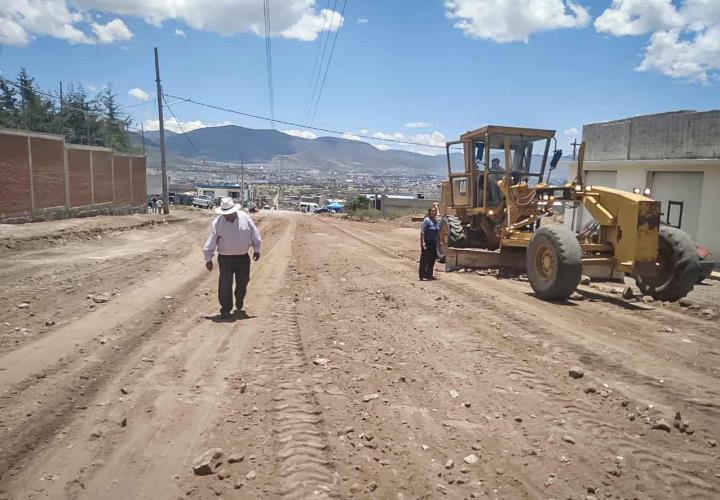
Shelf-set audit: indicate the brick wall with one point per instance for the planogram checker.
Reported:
(102, 176)
(139, 190)
(48, 172)
(80, 176)
(15, 176)
(42, 177)
(121, 169)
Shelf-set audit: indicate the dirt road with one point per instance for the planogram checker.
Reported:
(348, 378)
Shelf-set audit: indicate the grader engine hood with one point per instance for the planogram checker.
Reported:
(631, 223)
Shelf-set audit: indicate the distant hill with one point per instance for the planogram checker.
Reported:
(232, 143)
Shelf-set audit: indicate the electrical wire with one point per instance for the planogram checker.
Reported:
(319, 62)
(293, 124)
(197, 153)
(327, 67)
(68, 106)
(268, 60)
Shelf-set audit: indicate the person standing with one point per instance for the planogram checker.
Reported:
(159, 205)
(153, 205)
(429, 235)
(232, 234)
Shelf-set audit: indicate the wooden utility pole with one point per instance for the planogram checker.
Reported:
(163, 164)
(242, 182)
(574, 144)
(62, 117)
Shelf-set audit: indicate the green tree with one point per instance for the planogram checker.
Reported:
(36, 113)
(8, 105)
(359, 203)
(113, 125)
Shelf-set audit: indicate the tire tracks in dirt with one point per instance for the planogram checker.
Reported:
(168, 403)
(640, 454)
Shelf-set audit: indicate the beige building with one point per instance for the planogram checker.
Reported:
(676, 155)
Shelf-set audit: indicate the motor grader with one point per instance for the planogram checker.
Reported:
(500, 210)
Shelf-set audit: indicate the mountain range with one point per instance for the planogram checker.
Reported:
(231, 143)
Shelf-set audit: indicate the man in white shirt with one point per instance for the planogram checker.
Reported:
(232, 233)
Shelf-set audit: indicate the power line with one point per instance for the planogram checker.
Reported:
(268, 59)
(182, 130)
(292, 124)
(65, 104)
(332, 50)
(317, 67)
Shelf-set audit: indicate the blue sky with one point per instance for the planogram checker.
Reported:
(446, 66)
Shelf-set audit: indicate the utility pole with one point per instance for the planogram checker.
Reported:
(142, 132)
(62, 118)
(574, 144)
(163, 164)
(242, 181)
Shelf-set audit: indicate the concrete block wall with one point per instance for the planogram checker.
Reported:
(664, 136)
(41, 177)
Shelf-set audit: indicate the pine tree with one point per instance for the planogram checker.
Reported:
(36, 113)
(8, 105)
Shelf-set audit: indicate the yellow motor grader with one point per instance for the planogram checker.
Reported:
(499, 210)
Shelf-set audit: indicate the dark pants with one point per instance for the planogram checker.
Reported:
(427, 259)
(239, 267)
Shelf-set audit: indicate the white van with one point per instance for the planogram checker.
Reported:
(307, 207)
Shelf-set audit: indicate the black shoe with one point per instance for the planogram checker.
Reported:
(224, 315)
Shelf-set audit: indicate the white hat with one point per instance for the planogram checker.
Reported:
(227, 206)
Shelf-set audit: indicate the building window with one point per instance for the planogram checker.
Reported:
(674, 214)
(234, 194)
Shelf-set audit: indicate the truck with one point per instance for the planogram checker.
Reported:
(202, 201)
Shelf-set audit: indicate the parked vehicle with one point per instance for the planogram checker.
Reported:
(322, 210)
(251, 207)
(306, 206)
(203, 201)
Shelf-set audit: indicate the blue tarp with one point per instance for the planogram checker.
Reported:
(335, 206)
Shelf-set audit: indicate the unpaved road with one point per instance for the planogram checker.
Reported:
(348, 378)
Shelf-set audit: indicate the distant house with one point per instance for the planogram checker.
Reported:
(676, 156)
(220, 190)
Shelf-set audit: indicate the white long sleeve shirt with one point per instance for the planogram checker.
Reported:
(232, 238)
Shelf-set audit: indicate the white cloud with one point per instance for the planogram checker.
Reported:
(180, 33)
(364, 131)
(351, 137)
(91, 87)
(635, 17)
(417, 125)
(114, 31)
(173, 125)
(311, 24)
(363, 20)
(425, 143)
(23, 20)
(694, 59)
(305, 134)
(685, 40)
(296, 19)
(571, 131)
(139, 94)
(514, 20)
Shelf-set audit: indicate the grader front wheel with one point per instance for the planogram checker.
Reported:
(678, 267)
(554, 262)
(452, 234)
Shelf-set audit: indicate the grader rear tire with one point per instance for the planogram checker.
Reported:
(452, 234)
(554, 262)
(678, 267)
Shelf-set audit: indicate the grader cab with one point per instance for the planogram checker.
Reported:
(499, 210)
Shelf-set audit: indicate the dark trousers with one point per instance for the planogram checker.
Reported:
(239, 267)
(427, 259)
